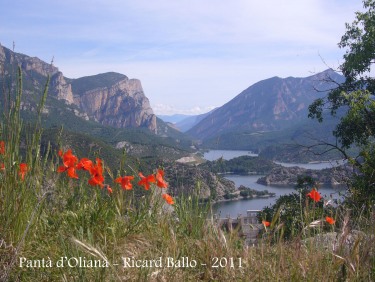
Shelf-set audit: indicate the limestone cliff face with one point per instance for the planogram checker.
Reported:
(122, 104)
(61, 89)
(109, 98)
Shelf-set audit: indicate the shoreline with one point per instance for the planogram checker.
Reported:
(240, 198)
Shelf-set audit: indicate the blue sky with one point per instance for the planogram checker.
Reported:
(190, 55)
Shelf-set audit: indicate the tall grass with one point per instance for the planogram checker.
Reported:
(52, 217)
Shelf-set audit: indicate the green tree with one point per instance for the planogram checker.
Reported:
(356, 97)
(295, 211)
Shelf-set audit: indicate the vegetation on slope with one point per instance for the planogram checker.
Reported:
(56, 227)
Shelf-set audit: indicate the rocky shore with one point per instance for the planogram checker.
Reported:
(288, 175)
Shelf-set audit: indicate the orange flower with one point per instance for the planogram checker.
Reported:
(96, 172)
(315, 195)
(97, 180)
(160, 182)
(266, 223)
(330, 220)
(69, 161)
(2, 147)
(145, 181)
(168, 199)
(125, 182)
(85, 164)
(23, 170)
(2, 166)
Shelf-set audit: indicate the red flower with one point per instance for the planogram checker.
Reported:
(315, 195)
(125, 182)
(2, 166)
(23, 170)
(2, 147)
(85, 164)
(96, 172)
(145, 181)
(168, 199)
(266, 223)
(330, 220)
(160, 182)
(69, 161)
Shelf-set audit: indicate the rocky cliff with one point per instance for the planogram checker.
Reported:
(121, 104)
(109, 98)
(61, 89)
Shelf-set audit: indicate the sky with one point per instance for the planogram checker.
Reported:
(190, 55)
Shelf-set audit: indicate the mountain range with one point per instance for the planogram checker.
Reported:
(271, 118)
(184, 122)
(108, 106)
(114, 108)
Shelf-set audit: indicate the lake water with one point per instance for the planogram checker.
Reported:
(234, 208)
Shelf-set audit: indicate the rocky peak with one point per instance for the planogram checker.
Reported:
(122, 104)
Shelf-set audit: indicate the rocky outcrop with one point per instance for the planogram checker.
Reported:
(122, 104)
(288, 175)
(189, 180)
(61, 89)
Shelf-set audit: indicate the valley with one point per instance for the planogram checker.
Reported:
(110, 113)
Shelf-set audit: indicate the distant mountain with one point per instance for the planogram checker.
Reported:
(173, 118)
(189, 122)
(270, 105)
(183, 122)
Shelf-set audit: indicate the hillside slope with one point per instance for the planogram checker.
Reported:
(269, 105)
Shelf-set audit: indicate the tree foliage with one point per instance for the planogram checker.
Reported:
(357, 97)
(295, 211)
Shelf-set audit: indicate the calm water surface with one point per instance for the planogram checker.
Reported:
(234, 208)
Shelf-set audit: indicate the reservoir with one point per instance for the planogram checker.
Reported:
(235, 208)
